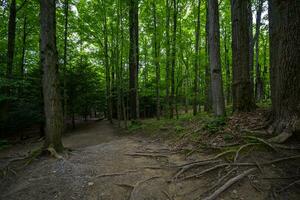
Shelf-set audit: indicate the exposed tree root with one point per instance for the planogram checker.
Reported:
(132, 197)
(115, 174)
(167, 195)
(222, 179)
(229, 183)
(206, 171)
(262, 141)
(193, 165)
(281, 138)
(146, 155)
(240, 149)
(289, 185)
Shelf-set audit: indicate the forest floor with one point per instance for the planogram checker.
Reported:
(107, 163)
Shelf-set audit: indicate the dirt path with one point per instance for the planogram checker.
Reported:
(107, 166)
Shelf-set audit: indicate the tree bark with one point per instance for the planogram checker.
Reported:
(107, 70)
(173, 58)
(167, 57)
(208, 98)
(49, 61)
(285, 70)
(133, 58)
(241, 88)
(196, 64)
(66, 13)
(22, 69)
(214, 58)
(11, 38)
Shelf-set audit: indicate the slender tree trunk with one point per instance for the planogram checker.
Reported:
(214, 58)
(196, 64)
(167, 57)
(251, 43)
(133, 59)
(66, 10)
(285, 70)
(258, 83)
(11, 38)
(119, 66)
(107, 70)
(22, 69)
(156, 61)
(227, 67)
(173, 63)
(208, 97)
(49, 61)
(241, 88)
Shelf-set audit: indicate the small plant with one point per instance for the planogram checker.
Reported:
(4, 144)
(215, 124)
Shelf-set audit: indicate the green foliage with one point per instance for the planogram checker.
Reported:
(4, 144)
(215, 125)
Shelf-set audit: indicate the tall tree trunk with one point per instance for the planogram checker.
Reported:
(167, 57)
(208, 98)
(66, 13)
(214, 58)
(173, 63)
(49, 61)
(251, 43)
(22, 69)
(241, 87)
(227, 67)
(11, 38)
(258, 83)
(107, 70)
(156, 61)
(284, 31)
(133, 58)
(196, 64)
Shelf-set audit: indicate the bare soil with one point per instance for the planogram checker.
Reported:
(106, 164)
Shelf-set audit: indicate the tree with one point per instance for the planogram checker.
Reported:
(173, 58)
(49, 62)
(214, 59)
(284, 17)
(167, 56)
(107, 69)
(196, 65)
(156, 61)
(133, 58)
(241, 86)
(11, 37)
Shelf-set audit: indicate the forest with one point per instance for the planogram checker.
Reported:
(145, 99)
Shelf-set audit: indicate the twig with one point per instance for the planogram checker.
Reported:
(229, 183)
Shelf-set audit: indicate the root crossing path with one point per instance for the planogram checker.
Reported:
(108, 165)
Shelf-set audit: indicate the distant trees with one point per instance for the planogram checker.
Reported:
(242, 90)
(49, 61)
(218, 104)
